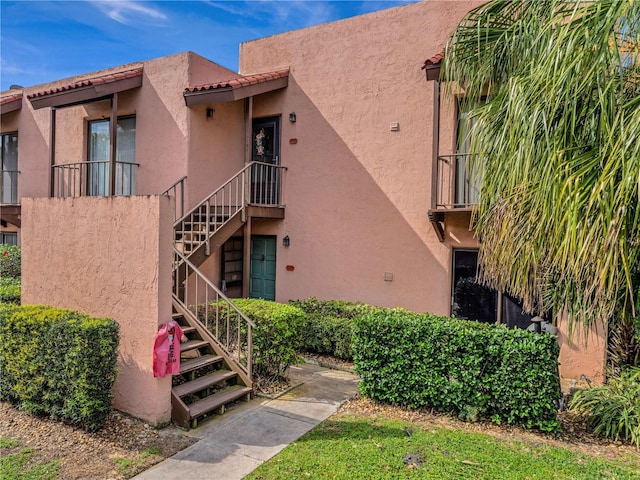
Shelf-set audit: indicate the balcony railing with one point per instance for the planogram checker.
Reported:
(457, 186)
(9, 187)
(82, 179)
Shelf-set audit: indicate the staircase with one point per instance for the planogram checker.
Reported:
(215, 364)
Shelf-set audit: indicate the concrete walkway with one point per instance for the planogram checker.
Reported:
(234, 444)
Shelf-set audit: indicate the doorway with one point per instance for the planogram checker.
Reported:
(265, 177)
(262, 281)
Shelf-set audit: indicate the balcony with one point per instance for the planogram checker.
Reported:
(9, 187)
(95, 178)
(9, 198)
(455, 189)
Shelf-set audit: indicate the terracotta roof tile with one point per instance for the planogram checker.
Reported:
(241, 81)
(435, 60)
(10, 98)
(99, 80)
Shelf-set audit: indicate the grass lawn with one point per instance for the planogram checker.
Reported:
(353, 448)
(22, 463)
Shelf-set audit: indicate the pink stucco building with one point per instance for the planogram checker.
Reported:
(359, 190)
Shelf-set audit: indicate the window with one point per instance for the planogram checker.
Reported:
(472, 301)
(467, 181)
(9, 238)
(9, 186)
(98, 171)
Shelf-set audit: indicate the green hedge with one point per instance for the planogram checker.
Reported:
(9, 290)
(276, 336)
(10, 256)
(57, 362)
(466, 368)
(328, 325)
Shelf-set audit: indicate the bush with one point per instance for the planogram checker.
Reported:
(9, 290)
(466, 368)
(9, 261)
(58, 362)
(613, 409)
(275, 337)
(328, 327)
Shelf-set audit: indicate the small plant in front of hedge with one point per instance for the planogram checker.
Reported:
(9, 290)
(59, 363)
(613, 409)
(329, 324)
(466, 368)
(9, 261)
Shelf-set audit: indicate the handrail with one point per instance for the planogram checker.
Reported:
(177, 185)
(9, 196)
(257, 183)
(456, 185)
(91, 178)
(198, 294)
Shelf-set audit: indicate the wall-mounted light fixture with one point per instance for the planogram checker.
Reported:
(286, 241)
(210, 112)
(292, 117)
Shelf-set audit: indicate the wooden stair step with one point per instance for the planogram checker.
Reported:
(218, 400)
(203, 382)
(186, 330)
(192, 345)
(193, 363)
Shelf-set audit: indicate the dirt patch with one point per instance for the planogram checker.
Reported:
(124, 447)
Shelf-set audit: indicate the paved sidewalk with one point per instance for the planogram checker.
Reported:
(234, 444)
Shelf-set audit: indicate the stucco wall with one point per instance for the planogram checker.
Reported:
(357, 193)
(110, 257)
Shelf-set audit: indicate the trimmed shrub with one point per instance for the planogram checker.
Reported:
(328, 325)
(466, 368)
(9, 261)
(9, 290)
(275, 337)
(59, 363)
(613, 409)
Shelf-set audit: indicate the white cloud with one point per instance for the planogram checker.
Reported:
(129, 12)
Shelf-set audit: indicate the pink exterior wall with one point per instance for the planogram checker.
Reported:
(582, 353)
(110, 258)
(358, 194)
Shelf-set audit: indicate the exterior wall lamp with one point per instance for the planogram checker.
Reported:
(292, 117)
(286, 241)
(210, 112)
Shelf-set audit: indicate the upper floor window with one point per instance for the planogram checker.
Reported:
(467, 178)
(9, 186)
(99, 169)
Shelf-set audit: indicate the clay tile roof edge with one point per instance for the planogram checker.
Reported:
(240, 81)
(435, 60)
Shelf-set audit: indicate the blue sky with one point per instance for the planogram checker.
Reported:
(42, 41)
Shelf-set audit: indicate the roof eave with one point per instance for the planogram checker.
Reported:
(11, 106)
(230, 94)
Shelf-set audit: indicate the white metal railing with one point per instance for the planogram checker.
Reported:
(231, 328)
(177, 190)
(9, 187)
(256, 184)
(80, 179)
(457, 185)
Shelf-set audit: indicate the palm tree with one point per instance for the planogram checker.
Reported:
(556, 146)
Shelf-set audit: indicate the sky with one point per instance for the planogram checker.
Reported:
(43, 41)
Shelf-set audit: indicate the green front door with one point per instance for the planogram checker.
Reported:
(262, 282)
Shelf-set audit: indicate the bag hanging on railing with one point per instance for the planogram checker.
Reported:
(166, 350)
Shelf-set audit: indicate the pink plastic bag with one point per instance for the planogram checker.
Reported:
(166, 350)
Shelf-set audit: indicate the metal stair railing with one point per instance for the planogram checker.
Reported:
(257, 183)
(230, 328)
(177, 190)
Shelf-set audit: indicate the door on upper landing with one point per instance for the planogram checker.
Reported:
(262, 281)
(265, 176)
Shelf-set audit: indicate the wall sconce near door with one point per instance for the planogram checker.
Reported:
(210, 112)
(292, 117)
(286, 241)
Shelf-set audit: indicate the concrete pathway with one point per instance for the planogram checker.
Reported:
(234, 444)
